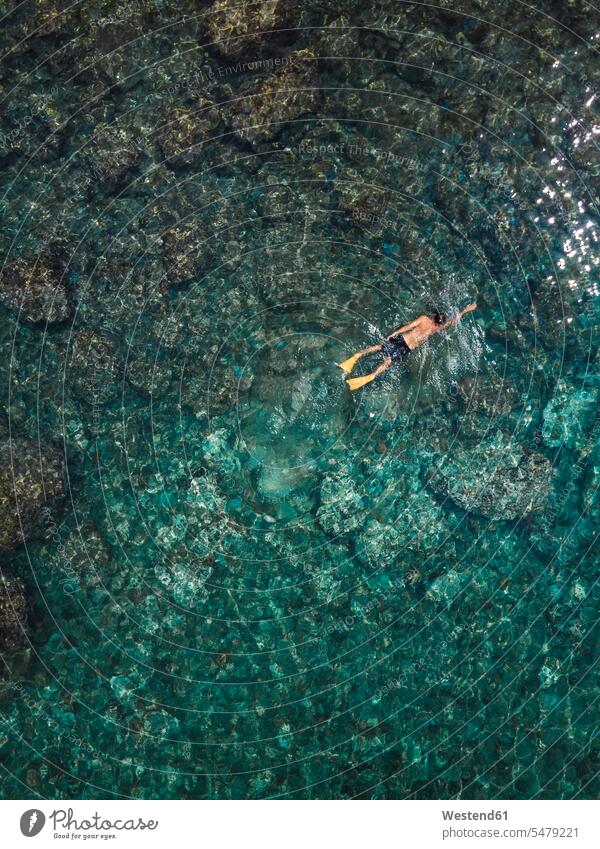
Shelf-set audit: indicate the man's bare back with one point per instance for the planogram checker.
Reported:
(399, 343)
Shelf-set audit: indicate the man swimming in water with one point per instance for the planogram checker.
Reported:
(401, 342)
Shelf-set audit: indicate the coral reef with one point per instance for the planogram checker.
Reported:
(261, 113)
(111, 157)
(183, 130)
(238, 29)
(342, 508)
(36, 287)
(566, 417)
(13, 613)
(31, 490)
(496, 479)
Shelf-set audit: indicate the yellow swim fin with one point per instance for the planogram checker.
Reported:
(349, 364)
(357, 382)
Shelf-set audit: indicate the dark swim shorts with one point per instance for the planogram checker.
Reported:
(396, 348)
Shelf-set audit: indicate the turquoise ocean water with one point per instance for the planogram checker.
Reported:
(225, 575)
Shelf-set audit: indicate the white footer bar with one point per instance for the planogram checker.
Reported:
(301, 824)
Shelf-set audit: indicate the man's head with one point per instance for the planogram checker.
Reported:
(439, 318)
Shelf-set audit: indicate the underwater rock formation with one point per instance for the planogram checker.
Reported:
(591, 495)
(419, 526)
(361, 198)
(448, 586)
(497, 479)
(224, 393)
(115, 286)
(260, 114)
(218, 456)
(187, 253)
(566, 415)
(13, 612)
(342, 507)
(82, 561)
(36, 287)
(112, 154)
(237, 28)
(182, 130)
(31, 490)
(94, 368)
(490, 394)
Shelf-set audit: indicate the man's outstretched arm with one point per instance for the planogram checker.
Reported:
(451, 322)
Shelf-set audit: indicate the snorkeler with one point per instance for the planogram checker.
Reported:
(400, 343)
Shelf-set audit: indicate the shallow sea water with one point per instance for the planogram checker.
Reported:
(261, 585)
